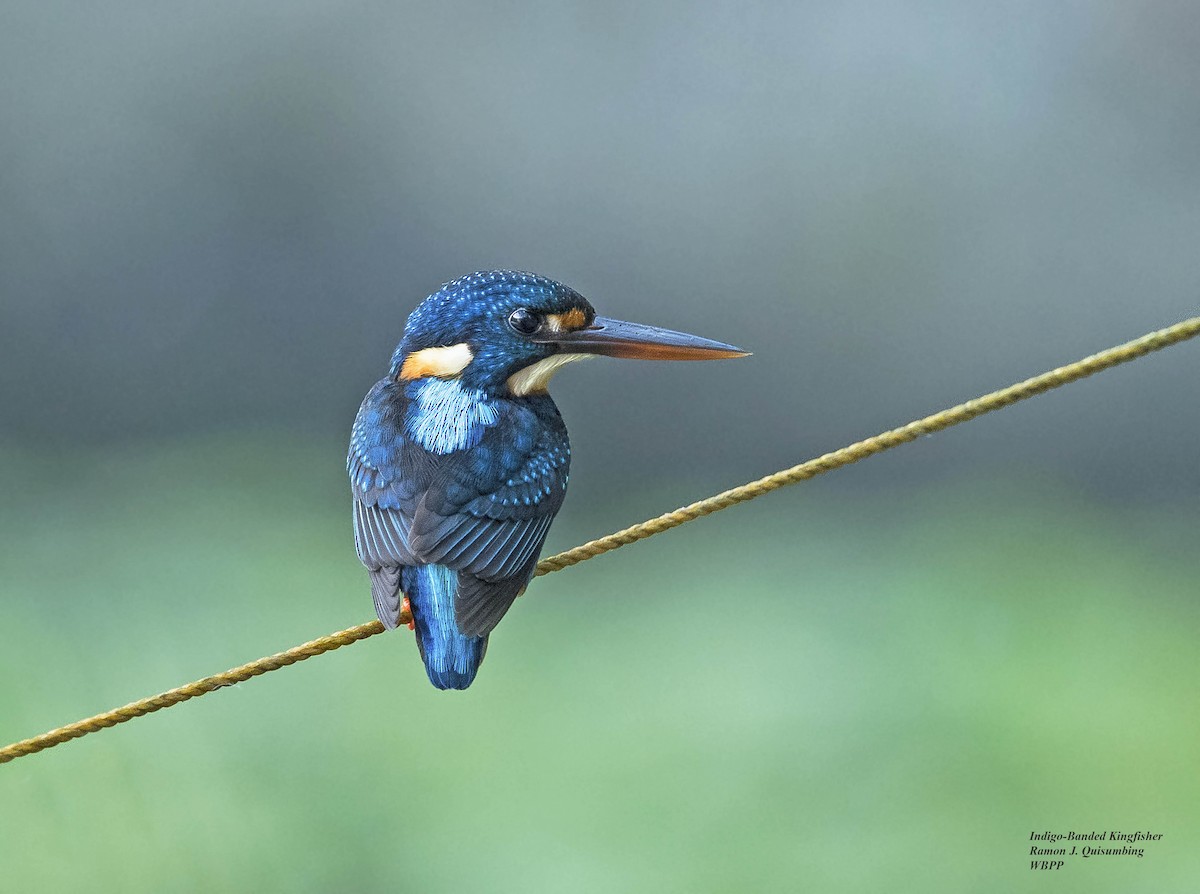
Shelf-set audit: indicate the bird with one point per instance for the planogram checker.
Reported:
(459, 458)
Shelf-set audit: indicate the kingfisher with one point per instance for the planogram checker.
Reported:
(459, 458)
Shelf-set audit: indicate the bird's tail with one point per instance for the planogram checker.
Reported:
(451, 658)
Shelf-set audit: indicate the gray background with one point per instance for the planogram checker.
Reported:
(217, 217)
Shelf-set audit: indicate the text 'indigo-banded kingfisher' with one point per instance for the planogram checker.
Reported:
(459, 458)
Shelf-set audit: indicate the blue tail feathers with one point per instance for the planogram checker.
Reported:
(451, 658)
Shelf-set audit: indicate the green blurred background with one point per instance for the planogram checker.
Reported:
(213, 222)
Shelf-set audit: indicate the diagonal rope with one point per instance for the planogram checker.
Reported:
(860, 450)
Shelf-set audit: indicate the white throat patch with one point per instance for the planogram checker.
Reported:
(536, 377)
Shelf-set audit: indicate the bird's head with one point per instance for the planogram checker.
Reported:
(508, 332)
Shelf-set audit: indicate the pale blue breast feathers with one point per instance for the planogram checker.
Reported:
(444, 416)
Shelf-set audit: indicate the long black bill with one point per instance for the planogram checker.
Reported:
(616, 338)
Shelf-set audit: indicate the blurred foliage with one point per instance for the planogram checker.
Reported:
(812, 691)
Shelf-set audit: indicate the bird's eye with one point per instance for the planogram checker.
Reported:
(524, 321)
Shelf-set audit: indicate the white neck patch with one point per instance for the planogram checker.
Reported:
(536, 377)
(444, 363)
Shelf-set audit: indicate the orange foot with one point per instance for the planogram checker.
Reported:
(406, 609)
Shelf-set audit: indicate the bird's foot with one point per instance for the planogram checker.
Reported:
(406, 609)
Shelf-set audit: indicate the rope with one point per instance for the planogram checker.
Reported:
(860, 450)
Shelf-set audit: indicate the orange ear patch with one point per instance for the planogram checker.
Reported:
(569, 321)
(575, 318)
(443, 363)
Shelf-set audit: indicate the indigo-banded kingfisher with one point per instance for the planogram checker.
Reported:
(459, 458)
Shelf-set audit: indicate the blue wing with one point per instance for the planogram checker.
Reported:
(483, 512)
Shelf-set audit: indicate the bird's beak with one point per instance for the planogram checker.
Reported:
(616, 338)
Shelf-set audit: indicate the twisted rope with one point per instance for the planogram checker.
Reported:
(860, 450)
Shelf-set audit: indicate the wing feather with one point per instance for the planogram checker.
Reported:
(381, 536)
(522, 546)
(489, 548)
(385, 590)
(480, 604)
